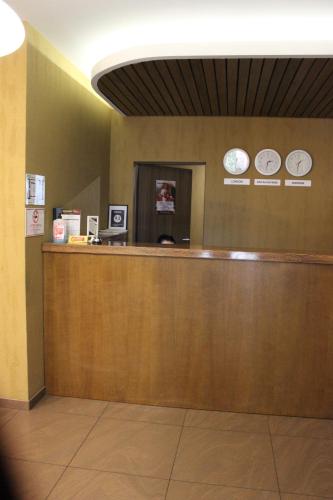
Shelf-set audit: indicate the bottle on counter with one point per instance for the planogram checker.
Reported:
(59, 231)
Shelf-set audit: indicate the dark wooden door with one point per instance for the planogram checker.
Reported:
(150, 223)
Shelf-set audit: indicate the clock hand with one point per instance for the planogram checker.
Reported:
(267, 162)
(298, 164)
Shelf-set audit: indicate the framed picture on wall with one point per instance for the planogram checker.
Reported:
(117, 218)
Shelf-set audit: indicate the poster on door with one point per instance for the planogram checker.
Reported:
(165, 197)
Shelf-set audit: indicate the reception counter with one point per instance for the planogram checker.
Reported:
(218, 329)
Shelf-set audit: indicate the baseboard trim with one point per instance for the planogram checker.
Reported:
(16, 404)
(37, 397)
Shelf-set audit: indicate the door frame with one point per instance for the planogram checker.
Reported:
(171, 164)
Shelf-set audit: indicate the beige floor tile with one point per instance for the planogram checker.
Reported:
(138, 448)
(190, 491)
(45, 437)
(225, 457)
(6, 414)
(304, 465)
(292, 496)
(301, 427)
(87, 485)
(76, 406)
(33, 480)
(143, 413)
(227, 421)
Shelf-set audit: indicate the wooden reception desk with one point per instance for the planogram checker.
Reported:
(202, 328)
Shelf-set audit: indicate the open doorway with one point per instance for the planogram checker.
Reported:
(184, 217)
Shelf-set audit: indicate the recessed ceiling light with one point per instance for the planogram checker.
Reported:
(12, 31)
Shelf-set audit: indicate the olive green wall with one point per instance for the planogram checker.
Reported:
(52, 124)
(68, 141)
(236, 216)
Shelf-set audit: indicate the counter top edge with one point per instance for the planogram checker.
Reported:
(193, 253)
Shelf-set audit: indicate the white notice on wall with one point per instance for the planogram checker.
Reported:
(92, 225)
(34, 189)
(232, 181)
(297, 183)
(34, 221)
(267, 182)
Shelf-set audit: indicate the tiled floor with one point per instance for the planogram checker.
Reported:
(68, 448)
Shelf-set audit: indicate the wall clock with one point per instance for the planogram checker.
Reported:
(267, 162)
(236, 161)
(298, 163)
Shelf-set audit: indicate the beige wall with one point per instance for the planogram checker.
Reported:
(68, 141)
(13, 341)
(259, 217)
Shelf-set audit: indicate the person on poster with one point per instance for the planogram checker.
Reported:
(165, 196)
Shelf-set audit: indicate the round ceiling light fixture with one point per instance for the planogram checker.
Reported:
(12, 31)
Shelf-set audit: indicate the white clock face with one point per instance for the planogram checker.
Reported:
(267, 162)
(236, 161)
(298, 163)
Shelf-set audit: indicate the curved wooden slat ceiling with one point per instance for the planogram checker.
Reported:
(292, 87)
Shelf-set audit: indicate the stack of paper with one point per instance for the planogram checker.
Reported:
(72, 219)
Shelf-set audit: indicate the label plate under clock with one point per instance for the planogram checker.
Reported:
(297, 183)
(232, 181)
(267, 182)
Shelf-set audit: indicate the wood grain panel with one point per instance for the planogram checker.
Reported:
(125, 90)
(285, 84)
(151, 224)
(133, 89)
(316, 89)
(13, 116)
(324, 106)
(195, 252)
(186, 69)
(68, 141)
(237, 217)
(254, 77)
(168, 78)
(263, 86)
(275, 83)
(112, 94)
(210, 77)
(142, 92)
(178, 78)
(306, 85)
(248, 336)
(199, 78)
(327, 112)
(323, 98)
(151, 91)
(232, 82)
(229, 87)
(161, 84)
(222, 87)
(305, 68)
(243, 81)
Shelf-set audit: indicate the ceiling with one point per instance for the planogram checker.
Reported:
(295, 87)
(108, 39)
(87, 31)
